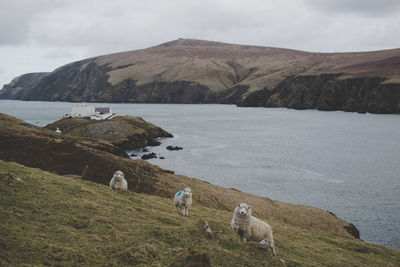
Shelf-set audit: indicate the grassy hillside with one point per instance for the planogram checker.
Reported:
(48, 219)
(221, 66)
(96, 162)
(126, 132)
(53, 220)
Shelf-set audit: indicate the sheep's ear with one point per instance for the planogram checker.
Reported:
(237, 206)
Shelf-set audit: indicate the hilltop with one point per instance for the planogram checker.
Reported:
(49, 219)
(197, 71)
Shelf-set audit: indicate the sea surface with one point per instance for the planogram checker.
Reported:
(347, 163)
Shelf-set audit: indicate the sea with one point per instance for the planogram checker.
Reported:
(342, 162)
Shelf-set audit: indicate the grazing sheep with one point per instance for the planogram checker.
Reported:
(118, 181)
(250, 228)
(183, 201)
(207, 230)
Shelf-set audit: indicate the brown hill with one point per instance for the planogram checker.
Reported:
(195, 71)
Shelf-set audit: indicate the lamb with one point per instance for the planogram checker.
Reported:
(249, 228)
(183, 201)
(207, 230)
(118, 181)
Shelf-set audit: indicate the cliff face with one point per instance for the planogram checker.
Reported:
(21, 85)
(194, 71)
(329, 92)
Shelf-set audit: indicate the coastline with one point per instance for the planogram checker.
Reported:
(212, 148)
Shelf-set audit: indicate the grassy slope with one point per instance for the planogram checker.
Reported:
(21, 128)
(123, 131)
(221, 66)
(51, 220)
(63, 155)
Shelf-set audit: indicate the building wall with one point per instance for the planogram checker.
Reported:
(82, 111)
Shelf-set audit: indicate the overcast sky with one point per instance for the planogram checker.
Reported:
(41, 35)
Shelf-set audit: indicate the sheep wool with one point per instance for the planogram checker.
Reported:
(249, 228)
(118, 181)
(183, 201)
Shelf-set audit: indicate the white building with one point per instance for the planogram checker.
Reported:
(83, 111)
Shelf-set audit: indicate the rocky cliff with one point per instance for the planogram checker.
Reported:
(21, 85)
(329, 92)
(195, 71)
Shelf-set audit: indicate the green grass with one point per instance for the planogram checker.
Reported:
(48, 219)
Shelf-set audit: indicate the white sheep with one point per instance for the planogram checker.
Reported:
(249, 228)
(118, 181)
(183, 201)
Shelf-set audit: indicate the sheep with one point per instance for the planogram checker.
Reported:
(207, 230)
(183, 201)
(118, 181)
(249, 228)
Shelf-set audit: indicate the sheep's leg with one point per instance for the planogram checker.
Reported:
(183, 211)
(271, 243)
(240, 232)
(242, 239)
(187, 211)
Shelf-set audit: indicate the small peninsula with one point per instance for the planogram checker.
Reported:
(123, 131)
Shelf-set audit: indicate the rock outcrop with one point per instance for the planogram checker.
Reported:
(172, 148)
(195, 71)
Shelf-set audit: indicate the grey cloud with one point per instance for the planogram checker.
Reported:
(363, 7)
(58, 31)
(58, 53)
(16, 18)
(126, 25)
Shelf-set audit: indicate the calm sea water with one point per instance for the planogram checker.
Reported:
(346, 163)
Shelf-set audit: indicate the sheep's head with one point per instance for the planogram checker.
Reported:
(187, 192)
(119, 175)
(243, 210)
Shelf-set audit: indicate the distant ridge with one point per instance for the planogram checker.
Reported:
(197, 71)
